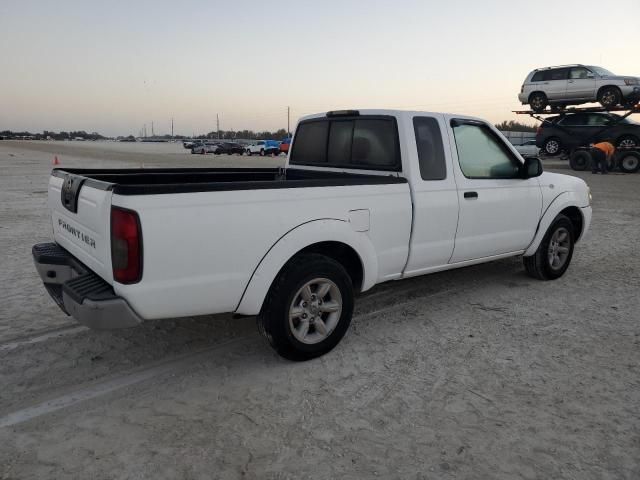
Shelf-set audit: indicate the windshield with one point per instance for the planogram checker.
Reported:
(603, 72)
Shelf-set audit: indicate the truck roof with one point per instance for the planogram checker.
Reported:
(389, 112)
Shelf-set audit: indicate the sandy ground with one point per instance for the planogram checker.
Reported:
(476, 373)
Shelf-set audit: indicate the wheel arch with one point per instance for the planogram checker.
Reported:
(566, 203)
(608, 86)
(332, 237)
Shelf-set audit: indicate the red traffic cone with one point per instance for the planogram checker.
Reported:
(55, 160)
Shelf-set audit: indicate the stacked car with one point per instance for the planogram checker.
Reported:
(576, 84)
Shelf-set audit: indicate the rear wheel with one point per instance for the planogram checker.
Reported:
(610, 97)
(538, 101)
(553, 256)
(262, 152)
(580, 160)
(552, 146)
(629, 162)
(309, 307)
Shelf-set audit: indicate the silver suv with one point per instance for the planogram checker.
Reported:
(576, 84)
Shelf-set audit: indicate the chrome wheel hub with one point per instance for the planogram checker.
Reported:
(559, 247)
(315, 311)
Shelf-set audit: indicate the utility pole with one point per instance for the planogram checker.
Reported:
(152, 134)
(171, 128)
(288, 130)
(218, 126)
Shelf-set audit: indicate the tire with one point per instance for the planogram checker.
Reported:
(287, 333)
(629, 162)
(552, 146)
(580, 160)
(549, 262)
(538, 101)
(262, 152)
(627, 141)
(203, 151)
(248, 152)
(193, 151)
(610, 97)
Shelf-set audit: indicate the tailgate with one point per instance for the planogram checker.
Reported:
(81, 220)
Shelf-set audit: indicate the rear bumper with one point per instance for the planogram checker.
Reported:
(79, 292)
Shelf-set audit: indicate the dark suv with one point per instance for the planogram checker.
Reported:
(566, 132)
(229, 148)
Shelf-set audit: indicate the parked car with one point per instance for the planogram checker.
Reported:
(366, 197)
(528, 149)
(228, 148)
(284, 146)
(204, 147)
(263, 147)
(566, 132)
(577, 84)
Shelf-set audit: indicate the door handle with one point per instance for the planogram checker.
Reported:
(470, 194)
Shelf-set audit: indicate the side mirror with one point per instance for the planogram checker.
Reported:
(532, 167)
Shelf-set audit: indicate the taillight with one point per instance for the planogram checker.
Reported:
(126, 245)
(539, 131)
(522, 88)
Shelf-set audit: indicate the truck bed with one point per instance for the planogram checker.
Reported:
(153, 181)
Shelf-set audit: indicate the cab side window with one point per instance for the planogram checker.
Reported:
(481, 154)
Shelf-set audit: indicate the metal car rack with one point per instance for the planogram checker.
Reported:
(626, 158)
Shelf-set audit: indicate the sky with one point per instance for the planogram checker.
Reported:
(114, 66)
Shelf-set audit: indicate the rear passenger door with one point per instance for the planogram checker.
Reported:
(435, 197)
(556, 83)
(499, 210)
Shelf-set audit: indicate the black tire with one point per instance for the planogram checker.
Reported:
(273, 320)
(539, 264)
(610, 97)
(193, 151)
(629, 162)
(580, 160)
(248, 152)
(262, 152)
(538, 101)
(552, 146)
(627, 141)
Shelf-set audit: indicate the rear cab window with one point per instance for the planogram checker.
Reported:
(367, 142)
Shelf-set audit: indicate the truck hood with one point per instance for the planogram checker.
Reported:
(554, 184)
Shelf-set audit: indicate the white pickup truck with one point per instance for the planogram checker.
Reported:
(366, 197)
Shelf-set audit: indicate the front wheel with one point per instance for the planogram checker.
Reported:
(610, 97)
(553, 256)
(261, 152)
(309, 307)
(248, 152)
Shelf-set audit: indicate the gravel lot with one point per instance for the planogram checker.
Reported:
(481, 372)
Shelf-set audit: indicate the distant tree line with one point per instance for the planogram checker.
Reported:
(513, 126)
(280, 134)
(47, 135)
